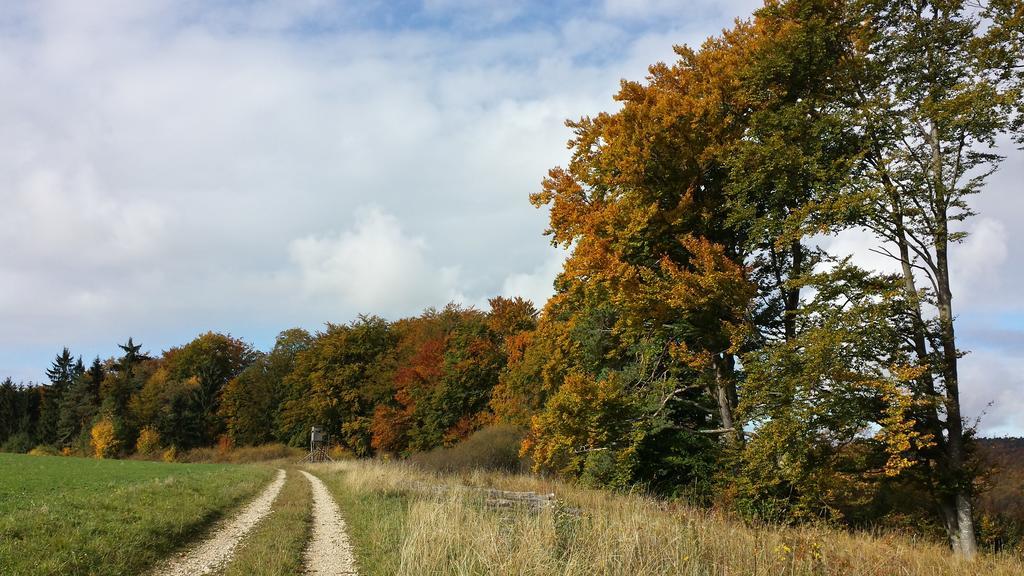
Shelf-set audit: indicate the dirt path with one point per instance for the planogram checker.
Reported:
(329, 551)
(216, 550)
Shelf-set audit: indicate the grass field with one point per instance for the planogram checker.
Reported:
(398, 528)
(81, 516)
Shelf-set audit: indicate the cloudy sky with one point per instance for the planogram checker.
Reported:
(171, 167)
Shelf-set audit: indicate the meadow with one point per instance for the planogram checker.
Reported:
(61, 515)
(403, 524)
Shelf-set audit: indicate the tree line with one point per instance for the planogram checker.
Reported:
(702, 339)
(376, 386)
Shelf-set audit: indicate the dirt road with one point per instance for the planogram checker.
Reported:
(218, 548)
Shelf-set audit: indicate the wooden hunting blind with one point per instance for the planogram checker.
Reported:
(318, 446)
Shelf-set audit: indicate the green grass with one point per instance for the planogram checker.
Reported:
(376, 522)
(82, 516)
(275, 546)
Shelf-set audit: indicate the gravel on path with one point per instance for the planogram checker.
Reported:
(329, 552)
(217, 550)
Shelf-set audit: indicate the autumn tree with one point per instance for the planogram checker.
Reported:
(447, 364)
(181, 396)
(338, 381)
(643, 207)
(105, 442)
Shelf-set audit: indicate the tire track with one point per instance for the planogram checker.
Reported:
(216, 550)
(329, 552)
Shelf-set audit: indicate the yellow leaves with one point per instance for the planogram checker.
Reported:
(711, 278)
(899, 430)
(148, 442)
(578, 419)
(104, 441)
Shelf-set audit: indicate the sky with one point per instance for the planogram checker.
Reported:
(173, 167)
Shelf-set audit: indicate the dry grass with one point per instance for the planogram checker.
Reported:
(415, 531)
(267, 453)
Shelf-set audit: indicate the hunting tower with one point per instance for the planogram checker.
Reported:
(317, 446)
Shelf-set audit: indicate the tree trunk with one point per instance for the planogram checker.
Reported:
(962, 535)
(934, 423)
(725, 394)
(791, 295)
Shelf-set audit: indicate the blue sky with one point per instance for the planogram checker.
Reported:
(172, 167)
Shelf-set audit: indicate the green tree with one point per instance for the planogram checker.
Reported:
(931, 101)
(338, 381)
(202, 369)
(252, 402)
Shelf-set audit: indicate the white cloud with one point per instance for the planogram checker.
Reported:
(538, 284)
(992, 389)
(979, 259)
(648, 9)
(374, 267)
(50, 216)
(179, 166)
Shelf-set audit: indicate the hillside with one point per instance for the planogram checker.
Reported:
(1002, 504)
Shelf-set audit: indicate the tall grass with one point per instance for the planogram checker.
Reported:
(432, 531)
(267, 453)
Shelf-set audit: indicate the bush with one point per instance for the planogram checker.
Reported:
(224, 446)
(170, 455)
(148, 443)
(265, 453)
(44, 450)
(338, 452)
(104, 439)
(18, 443)
(243, 455)
(491, 448)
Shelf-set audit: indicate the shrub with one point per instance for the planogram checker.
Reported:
(148, 443)
(43, 450)
(202, 454)
(18, 443)
(104, 439)
(224, 446)
(338, 452)
(491, 448)
(264, 453)
(243, 455)
(170, 455)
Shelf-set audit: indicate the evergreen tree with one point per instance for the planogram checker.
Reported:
(61, 374)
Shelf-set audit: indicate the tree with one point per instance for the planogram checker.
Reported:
(251, 402)
(10, 409)
(183, 395)
(105, 442)
(338, 381)
(62, 374)
(932, 100)
(448, 362)
(133, 355)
